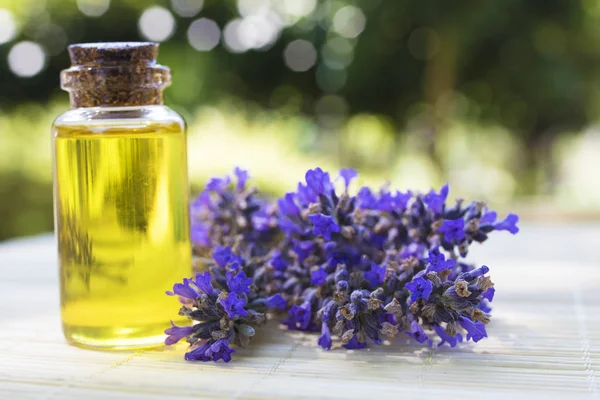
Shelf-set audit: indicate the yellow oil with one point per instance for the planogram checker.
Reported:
(121, 205)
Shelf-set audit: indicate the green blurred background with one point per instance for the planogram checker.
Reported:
(501, 99)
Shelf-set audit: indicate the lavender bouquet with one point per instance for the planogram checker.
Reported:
(359, 267)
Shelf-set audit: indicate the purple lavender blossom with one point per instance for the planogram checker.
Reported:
(318, 181)
(224, 256)
(508, 224)
(420, 288)
(203, 282)
(318, 277)
(488, 217)
(209, 350)
(199, 352)
(287, 204)
(234, 306)
(305, 195)
(366, 199)
(354, 344)
(238, 283)
(184, 290)
(303, 249)
(393, 202)
(357, 268)
(220, 351)
(451, 340)
(324, 225)
(453, 230)
(300, 317)
(218, 185)
(376, 274)
(278, 262)
(199, 234)
(416, 332)
(436, 201)
(176, 333)
(489, 294)
(412, 250)
(325, 338)
(475, 330)
(242, 177)
(437, 261)
(348, 174)
(276, 302)
(475, 273)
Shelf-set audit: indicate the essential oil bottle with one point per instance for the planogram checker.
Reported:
(120, 198)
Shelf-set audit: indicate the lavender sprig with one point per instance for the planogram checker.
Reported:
(378, 263)
(226, 306)
(229, 213)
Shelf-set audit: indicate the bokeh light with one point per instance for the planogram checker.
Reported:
(299, 8)
(8, 26)
(26, 59)
(231, 36)
(255, 31)
(93, 8)
(187, 8)
(157, 24)
(204, 34)
(349, 21)
(248, 8)
(337, 53)
(300, 55)
(35, 8)
(260, 31)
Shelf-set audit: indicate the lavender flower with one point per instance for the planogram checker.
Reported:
(475, 330)
(453, 230)
(226, 305)
(419, 288)
(356, 268)
(382, 262)
(436, 202)
(228, 216)
(176, 333)
(416, 332)
(234, 306)
(318, 181)
(224, 256)
(508, 224)
(348, 174)
(318, 277)
(220, 350)
(238, 283)
(437, 261)
(324, 225)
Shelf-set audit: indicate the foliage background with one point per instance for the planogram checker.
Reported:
(501, 99)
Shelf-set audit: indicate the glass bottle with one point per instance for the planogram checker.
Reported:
(120, 198)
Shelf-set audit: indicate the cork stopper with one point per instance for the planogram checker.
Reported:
(115, 75)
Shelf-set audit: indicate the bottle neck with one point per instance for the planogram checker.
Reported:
(118, 97)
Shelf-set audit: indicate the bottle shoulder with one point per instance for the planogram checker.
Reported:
(156, 114)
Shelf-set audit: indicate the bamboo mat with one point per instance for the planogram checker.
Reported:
(544, 340)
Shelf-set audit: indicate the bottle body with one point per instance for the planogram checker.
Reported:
(122, 223)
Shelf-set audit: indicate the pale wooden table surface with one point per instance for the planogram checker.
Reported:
(544, 340)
